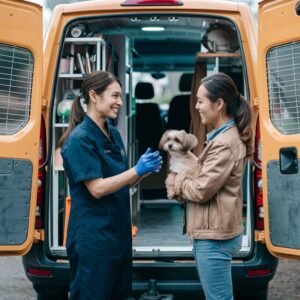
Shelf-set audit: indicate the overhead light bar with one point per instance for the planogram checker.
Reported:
(153, 28)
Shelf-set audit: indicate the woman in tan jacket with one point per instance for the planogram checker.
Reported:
(213, 192)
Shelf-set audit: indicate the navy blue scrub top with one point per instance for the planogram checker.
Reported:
(102, 225)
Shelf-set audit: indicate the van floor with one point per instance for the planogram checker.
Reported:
(160, 225)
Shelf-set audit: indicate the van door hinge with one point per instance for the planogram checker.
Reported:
(260, 236)
(38, 235)
(256, 101)
(44, 103)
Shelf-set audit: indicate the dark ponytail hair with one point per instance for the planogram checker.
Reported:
(97, 81)
(220, 85)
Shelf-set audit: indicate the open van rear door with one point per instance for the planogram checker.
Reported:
(279, 108)
(20, 117)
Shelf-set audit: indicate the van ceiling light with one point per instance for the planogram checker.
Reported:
(152, 28)
(152, 3)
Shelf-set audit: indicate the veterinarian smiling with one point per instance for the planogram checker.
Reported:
(214, 191)
(99, 243)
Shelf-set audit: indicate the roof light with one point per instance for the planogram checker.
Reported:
(152, 28)
(152, 3)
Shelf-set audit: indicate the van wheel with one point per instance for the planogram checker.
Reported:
(46, 296)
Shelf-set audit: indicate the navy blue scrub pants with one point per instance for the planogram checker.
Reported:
(99, 276)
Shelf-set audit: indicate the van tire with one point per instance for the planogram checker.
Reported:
(46, 296)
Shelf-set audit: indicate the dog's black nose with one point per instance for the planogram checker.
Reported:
(170, 146)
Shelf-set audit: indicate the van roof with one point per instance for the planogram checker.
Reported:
(114, 6)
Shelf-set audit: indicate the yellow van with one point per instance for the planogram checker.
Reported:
(160, 50)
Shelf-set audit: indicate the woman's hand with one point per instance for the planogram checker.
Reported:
(148, 163)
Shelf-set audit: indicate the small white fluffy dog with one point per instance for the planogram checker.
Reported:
(178, 144)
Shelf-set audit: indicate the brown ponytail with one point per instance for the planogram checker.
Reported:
(243, 119)
(220, 85)
(97, 81)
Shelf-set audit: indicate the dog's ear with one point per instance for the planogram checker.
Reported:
(163, 140)
(190, 141)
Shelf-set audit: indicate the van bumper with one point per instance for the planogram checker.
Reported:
(60, 271)
(172, 277)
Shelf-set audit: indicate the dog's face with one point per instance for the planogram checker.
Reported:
(177, 141)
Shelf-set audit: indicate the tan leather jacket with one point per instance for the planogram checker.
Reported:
(214, 190)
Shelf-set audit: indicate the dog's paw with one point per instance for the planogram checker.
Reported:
(170, 179)
(178, 184)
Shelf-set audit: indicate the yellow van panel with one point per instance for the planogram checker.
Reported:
(115, 6)
(21, 26)
(278, 25)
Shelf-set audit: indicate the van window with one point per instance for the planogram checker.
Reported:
(166, 87)
(166, 84)
(283, 68)
(16, 71)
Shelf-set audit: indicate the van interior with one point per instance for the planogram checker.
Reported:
(160, 60)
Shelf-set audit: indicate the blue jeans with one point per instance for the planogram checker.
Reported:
(213, 261)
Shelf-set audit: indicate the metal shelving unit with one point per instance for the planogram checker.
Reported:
(59, 180)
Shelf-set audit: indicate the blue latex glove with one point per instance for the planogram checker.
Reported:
(148, 162)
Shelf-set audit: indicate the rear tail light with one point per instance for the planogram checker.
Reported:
(258, 183)
(39, 272)
(258, 272)
(41, 178)
(152, 3)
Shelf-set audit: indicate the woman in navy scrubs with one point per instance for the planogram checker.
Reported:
(99, 241)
